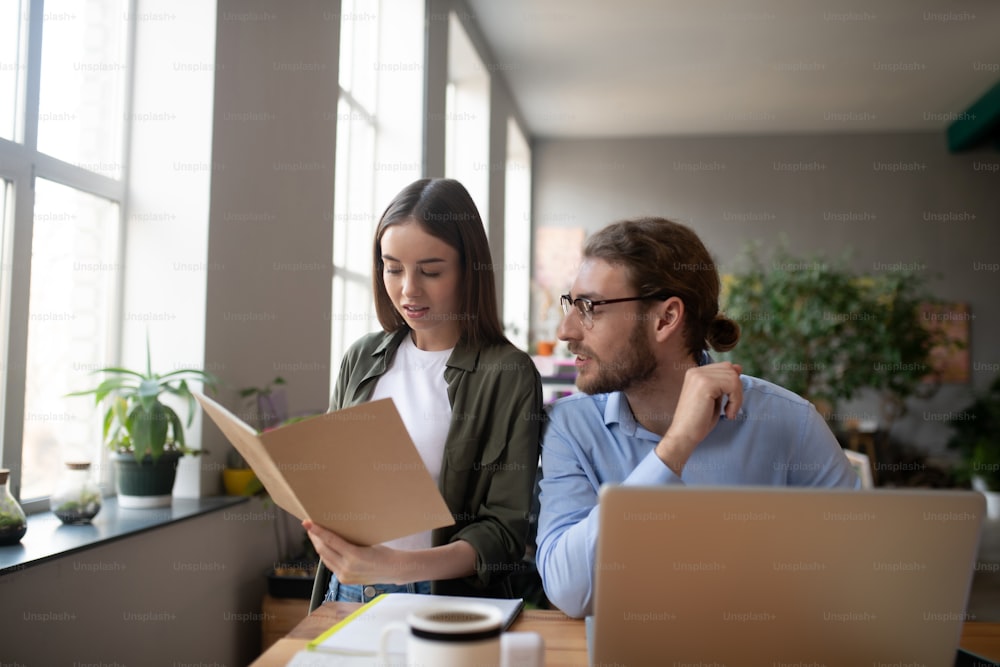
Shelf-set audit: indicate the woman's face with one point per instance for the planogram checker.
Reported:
(422, 275)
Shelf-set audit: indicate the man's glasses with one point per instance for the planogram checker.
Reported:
(585, 307)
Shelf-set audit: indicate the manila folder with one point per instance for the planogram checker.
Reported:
(355, 471)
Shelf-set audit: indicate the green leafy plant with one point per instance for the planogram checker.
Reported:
(136, 420)
(826, 332)
(268, 411)
(977, 437)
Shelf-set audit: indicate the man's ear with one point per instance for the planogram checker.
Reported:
(669, 318)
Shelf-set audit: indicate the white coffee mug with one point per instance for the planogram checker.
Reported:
(449, 635)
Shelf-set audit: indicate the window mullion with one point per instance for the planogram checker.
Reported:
(33, 73)
(17, 332)
(78, 178)
(17, 159)
(357, 106)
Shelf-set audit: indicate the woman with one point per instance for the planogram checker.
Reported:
(470, 400)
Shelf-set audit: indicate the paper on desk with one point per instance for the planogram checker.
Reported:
(355, 471)
(360, 633)
(307, 658)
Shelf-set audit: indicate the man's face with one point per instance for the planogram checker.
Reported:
(614, 353)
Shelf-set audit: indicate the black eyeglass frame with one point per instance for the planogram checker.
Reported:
(587, 313)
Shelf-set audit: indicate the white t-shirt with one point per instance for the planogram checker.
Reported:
(415, 382)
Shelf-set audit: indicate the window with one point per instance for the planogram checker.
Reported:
(74, 272)
(467, 117)
(62, 200)
(6, 267)
(80, 116)
(517, 236)
(354, 189)
(12, 66)
(378, 147)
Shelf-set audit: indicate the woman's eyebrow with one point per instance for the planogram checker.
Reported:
(429, 260)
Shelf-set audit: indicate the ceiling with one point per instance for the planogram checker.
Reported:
(584, 69)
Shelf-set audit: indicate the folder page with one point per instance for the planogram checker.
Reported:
(355, 471)
(245, 439)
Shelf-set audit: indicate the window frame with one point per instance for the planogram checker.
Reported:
(517, 236)
(21, 163)
(469, 100)
(348, 282)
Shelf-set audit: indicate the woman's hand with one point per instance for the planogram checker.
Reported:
(380, 564)
(355, 564)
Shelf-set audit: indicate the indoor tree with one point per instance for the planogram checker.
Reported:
(817, 327)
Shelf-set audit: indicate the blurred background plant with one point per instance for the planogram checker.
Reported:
(266, 408)
(268, 404)
(817, 327)
(977, 439)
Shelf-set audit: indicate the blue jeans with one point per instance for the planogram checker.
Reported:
(338, 592)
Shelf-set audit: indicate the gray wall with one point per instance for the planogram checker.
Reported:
(889, 197)
(270, 238)
(187, 593)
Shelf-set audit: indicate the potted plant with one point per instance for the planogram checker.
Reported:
(268, 404)
(238, 479)
(266, 408)
(825, 332)
(145, 435)
(977, 439)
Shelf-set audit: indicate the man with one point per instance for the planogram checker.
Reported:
(655, 409)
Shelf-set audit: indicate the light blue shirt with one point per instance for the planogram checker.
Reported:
(776, 439)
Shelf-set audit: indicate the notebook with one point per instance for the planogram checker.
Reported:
(781, 576)
(359, 633)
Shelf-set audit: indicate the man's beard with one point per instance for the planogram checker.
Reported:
(635, 365)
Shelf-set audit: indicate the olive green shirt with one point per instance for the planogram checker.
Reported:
(490, 456)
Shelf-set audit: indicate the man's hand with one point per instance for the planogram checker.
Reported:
(355, 564)
(698, 410)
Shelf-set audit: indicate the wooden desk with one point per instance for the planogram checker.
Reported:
(982, 639)
(565, 638)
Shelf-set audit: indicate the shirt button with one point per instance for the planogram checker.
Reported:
(370, 591)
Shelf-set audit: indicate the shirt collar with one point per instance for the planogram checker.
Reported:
(463, 357)
(617, 411)
(390, 343)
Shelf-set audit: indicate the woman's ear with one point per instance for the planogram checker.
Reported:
(669, 318)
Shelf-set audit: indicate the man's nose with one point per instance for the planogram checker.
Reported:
(570, 327)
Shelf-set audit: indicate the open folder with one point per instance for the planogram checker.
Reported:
(355, 471)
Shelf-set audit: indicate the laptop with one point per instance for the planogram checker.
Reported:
(747, 576)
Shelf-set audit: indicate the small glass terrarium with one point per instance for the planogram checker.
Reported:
(13, 522)
(77, 498)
